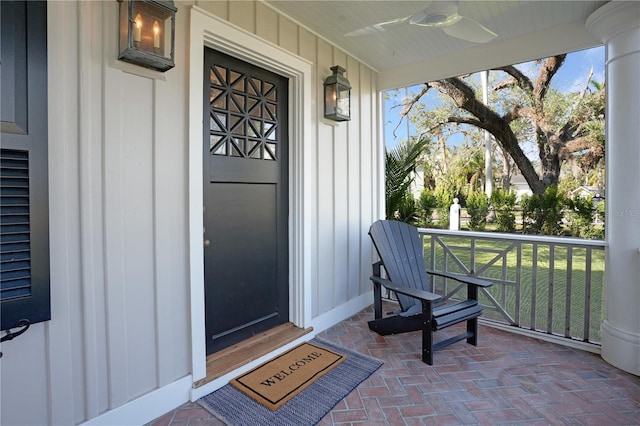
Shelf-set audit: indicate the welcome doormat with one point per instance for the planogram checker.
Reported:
(309, 405)
(280, 379)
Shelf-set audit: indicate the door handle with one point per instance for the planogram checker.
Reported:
(206, 243)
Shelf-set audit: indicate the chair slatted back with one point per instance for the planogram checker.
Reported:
(401, 251)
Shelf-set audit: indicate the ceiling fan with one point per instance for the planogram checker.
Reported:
(439, 14)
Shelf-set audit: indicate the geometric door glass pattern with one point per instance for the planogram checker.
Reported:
(243, 117)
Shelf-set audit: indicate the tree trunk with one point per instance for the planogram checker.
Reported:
(443, 146)
(506, 172)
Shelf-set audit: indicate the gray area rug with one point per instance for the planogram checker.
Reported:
(307, 408)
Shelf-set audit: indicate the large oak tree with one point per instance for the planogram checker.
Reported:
(561, 126)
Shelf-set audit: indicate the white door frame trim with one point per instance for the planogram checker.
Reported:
(209, 30)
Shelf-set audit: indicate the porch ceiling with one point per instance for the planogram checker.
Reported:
(520, 25)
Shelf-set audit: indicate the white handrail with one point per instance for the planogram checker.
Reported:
(581, 242)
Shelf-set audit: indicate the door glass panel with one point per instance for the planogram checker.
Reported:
(240, 128)
(219, 75)
(271, 111)
(254, 148)
(267, 91)
(254, 129)
(238, 84)
(270, 131)
(213, 125)
(257, 151)
(257, 86)
(218, 122)
(236, 125)
(270, 151)
(253, 104)
(237, 147)
(217, 145)
(234, 76)
(220, 101)
(237, 104)
(214, 93)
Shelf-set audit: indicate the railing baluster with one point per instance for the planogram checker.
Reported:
(473, 256)
(433, 262)
(534, 284)
(445, 266)
(567, 314)
(519, 281)
(552, 248)
(587, 295)
(505, 274)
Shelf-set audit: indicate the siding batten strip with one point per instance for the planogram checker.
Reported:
(89, 151)
(63, 181)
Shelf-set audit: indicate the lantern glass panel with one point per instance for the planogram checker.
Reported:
(343, 105)
(330, 99)
(151, 28)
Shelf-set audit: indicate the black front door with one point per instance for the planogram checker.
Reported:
(246, 252)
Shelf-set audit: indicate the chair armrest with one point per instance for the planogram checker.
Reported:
(466, 279)
(408, 291)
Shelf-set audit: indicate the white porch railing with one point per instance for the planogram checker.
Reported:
(551, 285)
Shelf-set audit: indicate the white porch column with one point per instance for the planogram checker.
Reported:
(617, 24)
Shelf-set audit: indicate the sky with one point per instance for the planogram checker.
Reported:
(570, 78)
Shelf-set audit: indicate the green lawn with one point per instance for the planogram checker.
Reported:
(566, 282)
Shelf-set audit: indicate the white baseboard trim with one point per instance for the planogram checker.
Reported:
(342, 312)
(319, 323)
(588, 347)
(148, 407)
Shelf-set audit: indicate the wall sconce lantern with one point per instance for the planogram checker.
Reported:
(147, 33)
(337, 96)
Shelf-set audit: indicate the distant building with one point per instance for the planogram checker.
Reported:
(585, 191)
(520, 187)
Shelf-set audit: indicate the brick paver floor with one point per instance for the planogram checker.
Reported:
(506, 379)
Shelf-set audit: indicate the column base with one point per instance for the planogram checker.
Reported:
(621, 348)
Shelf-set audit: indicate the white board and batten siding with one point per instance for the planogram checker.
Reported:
(119, 344)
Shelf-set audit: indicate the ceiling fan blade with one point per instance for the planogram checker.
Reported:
(437, 14)
(376, 28)
(470, 30)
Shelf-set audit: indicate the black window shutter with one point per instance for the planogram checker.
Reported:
(24, 212)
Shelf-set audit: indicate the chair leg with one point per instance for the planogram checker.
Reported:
(377, 293)
(472, 324)
(472, 327)
(427, 332)
(377, 301)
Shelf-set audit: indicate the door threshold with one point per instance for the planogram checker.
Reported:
(228, 359)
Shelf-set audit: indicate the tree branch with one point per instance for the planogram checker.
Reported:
(518, 77)
(571, 127)
(578, 144)
(550, 67)
(464, 97)
(409, 104)
(466, 120)
(506, 84)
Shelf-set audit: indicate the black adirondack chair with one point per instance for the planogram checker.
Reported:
(401, 255)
